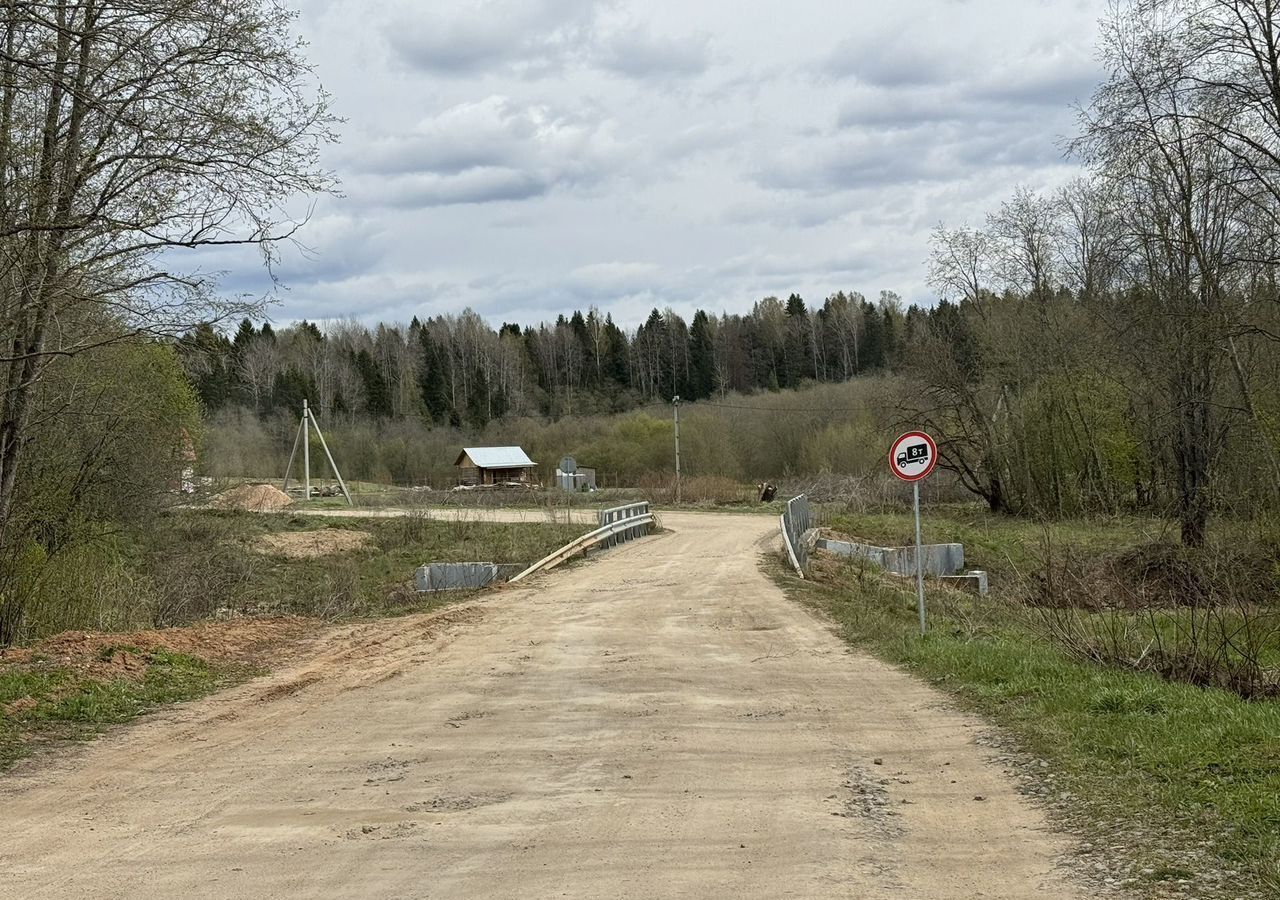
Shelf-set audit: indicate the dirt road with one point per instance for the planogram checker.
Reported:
(661, 722)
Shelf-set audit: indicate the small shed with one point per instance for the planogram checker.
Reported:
(581, 478)
(494, 465)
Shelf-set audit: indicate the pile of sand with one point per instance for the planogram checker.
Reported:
(253, 498)
(310, 544)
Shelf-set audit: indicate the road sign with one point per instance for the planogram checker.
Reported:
(913, 456)
(569, 465)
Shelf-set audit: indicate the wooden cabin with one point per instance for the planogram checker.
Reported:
(494, 465)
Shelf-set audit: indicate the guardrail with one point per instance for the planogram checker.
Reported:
(794, 522)
(579, 545)
(621, 513)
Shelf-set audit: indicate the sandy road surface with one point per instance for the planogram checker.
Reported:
(660, 722)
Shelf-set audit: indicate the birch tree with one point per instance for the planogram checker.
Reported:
(131, 130)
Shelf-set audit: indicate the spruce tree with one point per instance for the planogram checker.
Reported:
(702, 363)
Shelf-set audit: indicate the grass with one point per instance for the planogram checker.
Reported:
(195, 564)
(1171, 781)
(378, 581)
(1004, 546)
(375, 495)
(43, 702)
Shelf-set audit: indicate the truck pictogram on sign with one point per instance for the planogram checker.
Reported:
(916, 453)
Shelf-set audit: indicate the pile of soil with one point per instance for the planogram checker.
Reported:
(311, 544)
(252, 498)
(247, 641)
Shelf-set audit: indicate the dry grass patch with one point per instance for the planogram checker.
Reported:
(313, 544)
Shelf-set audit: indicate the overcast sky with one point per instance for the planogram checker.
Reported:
(529, 157)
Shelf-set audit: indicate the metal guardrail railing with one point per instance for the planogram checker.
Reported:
(622, 513)
(794, 522)
(622, 529)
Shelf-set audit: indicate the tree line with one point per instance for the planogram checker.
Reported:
(459, 371)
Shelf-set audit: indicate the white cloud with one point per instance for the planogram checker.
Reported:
(526, 157)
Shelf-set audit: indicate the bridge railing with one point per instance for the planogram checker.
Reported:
(622, 528)
(794, 522)
(615, 514)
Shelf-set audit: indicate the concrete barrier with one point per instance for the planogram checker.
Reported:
(455, 576)
(944, 561)
(939, 559)
(974, 581)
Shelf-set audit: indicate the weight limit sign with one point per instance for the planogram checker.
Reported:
(913, 456)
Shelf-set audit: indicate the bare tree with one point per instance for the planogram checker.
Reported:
(129, 131)
(1092, 246)
(1026, 231)
(258, 368)
(961, 262)
(1227, 58)
(1157, 141)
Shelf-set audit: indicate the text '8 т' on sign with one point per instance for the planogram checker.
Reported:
(913, 456)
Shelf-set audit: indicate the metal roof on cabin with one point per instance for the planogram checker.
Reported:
(497, 457)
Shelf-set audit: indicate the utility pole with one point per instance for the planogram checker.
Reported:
(306, 451)
(676, 404)
(304, 438)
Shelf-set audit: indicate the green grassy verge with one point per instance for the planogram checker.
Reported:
(1176, 787)
(42, 702)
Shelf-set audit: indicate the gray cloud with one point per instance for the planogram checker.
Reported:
(526, 35)
(541, 37)
(848, 161)
(637, 53)
(485, 151)
(475, 185)
(901, 57)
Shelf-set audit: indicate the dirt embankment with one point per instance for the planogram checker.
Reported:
(246, 641)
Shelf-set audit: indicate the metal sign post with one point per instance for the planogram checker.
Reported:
(911, 458)
(915, 487)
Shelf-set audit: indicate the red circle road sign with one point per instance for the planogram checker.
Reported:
(913, 456)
